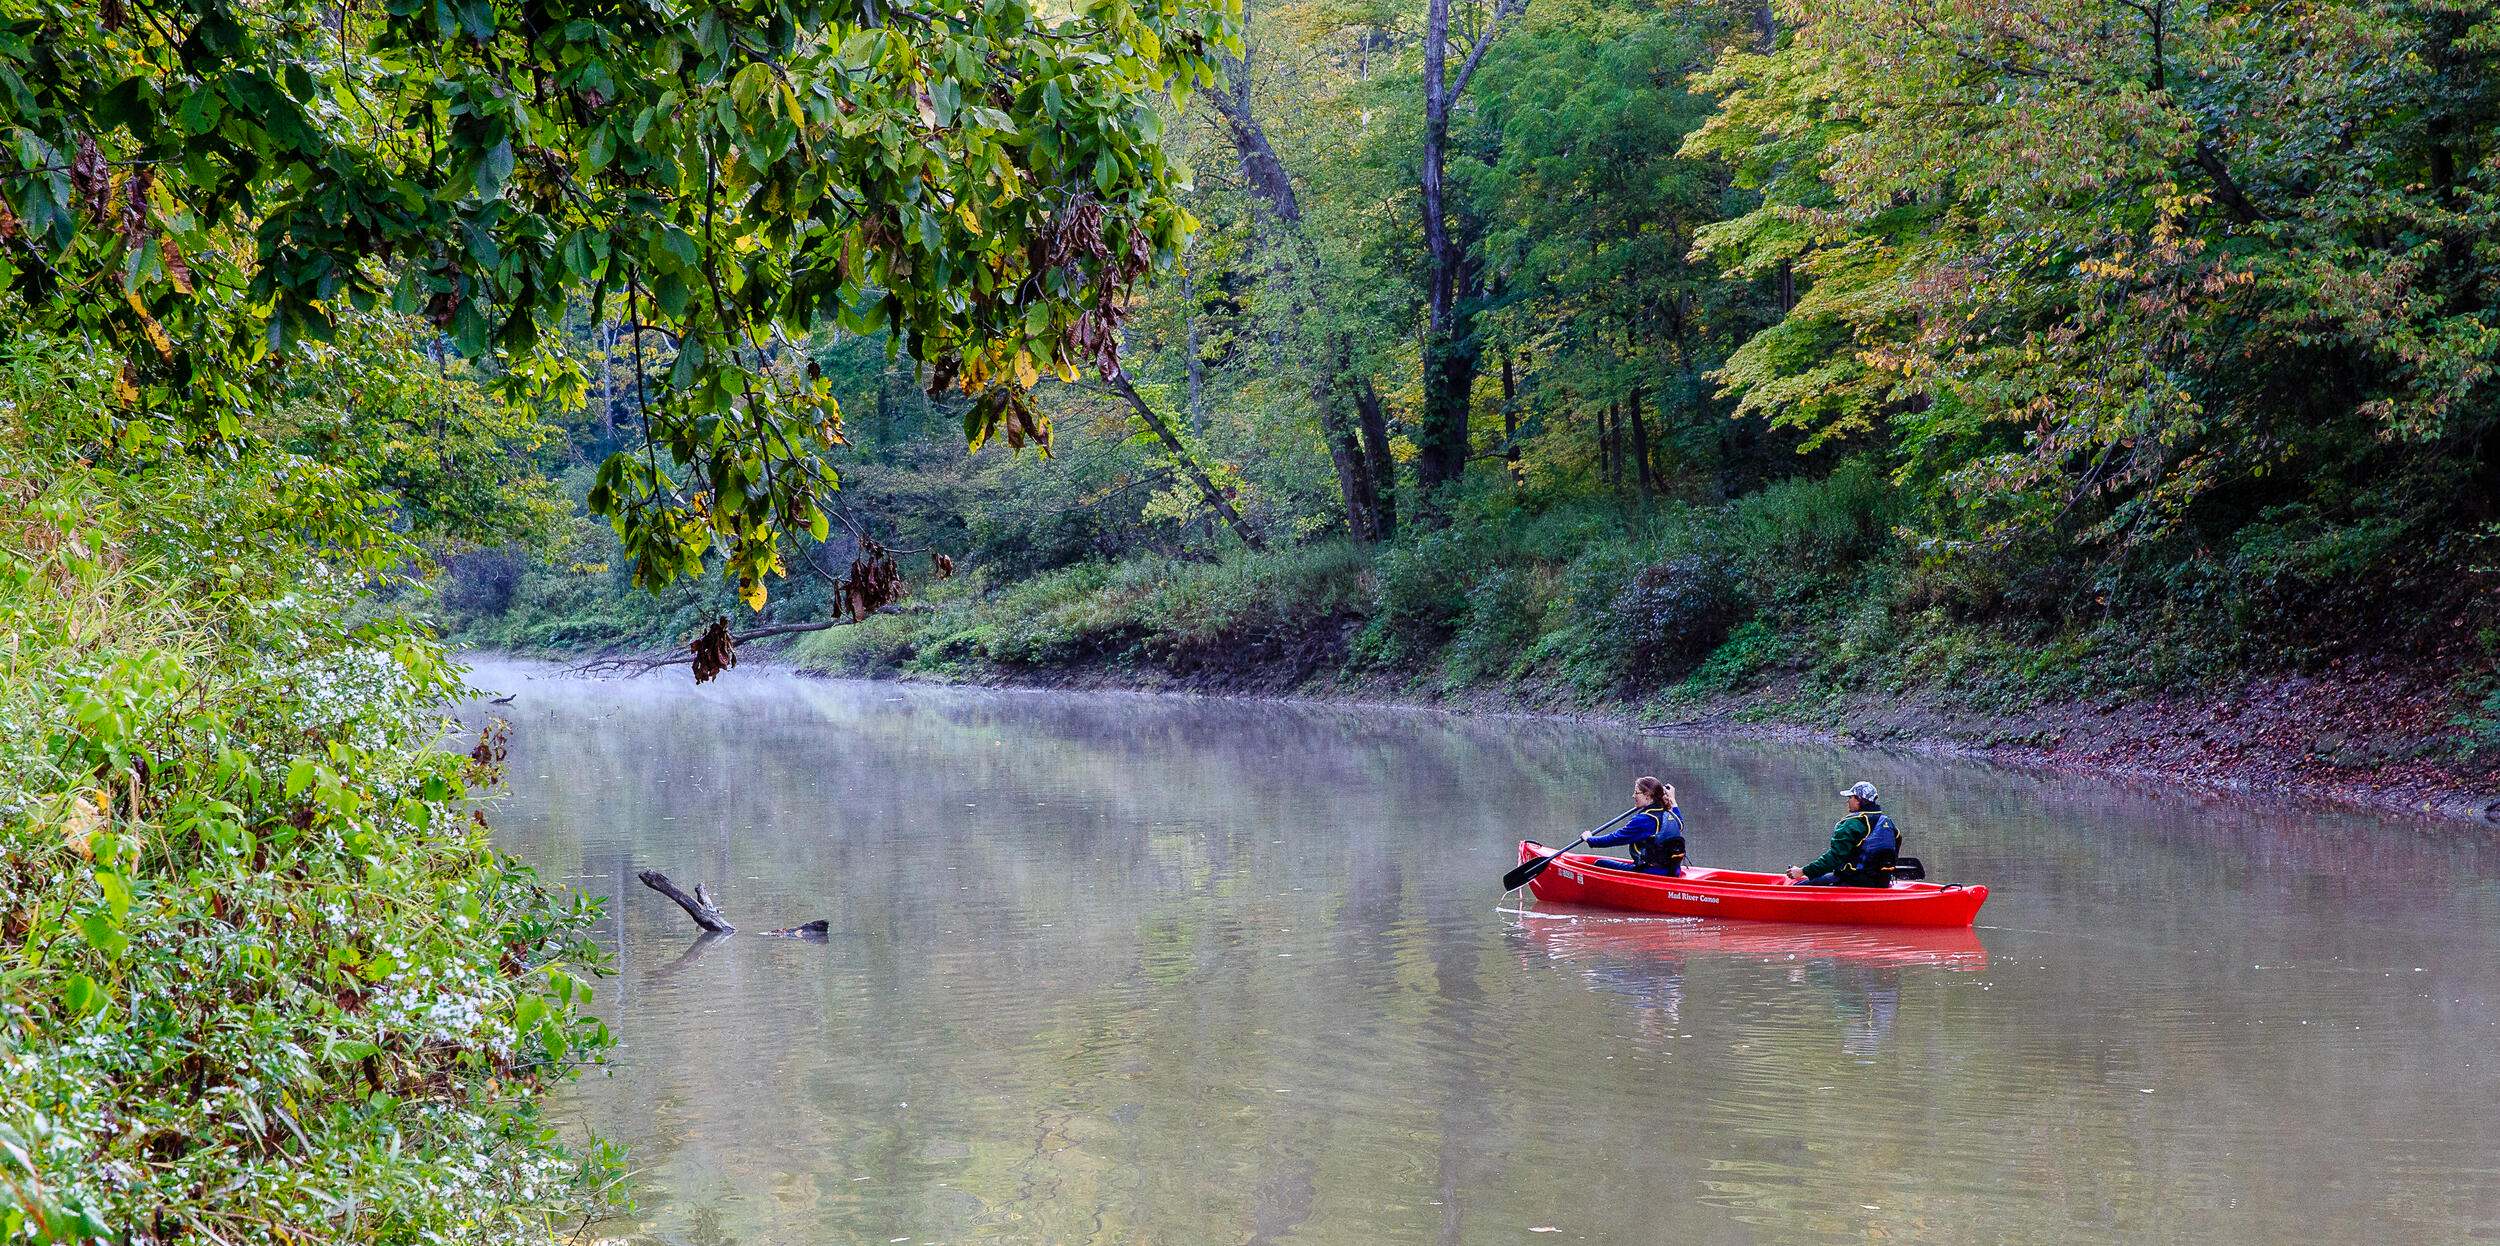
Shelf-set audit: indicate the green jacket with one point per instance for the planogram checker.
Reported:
(1835, 860)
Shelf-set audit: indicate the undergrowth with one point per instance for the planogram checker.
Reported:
(262, 977)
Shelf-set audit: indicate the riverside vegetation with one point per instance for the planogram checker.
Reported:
(2106, 374)
(264, 975)
(294, 291)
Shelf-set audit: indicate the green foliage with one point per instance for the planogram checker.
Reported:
(1424, 584)
(211, 189)
(1751, 649)
(2060, 361)
(1794, 537)
(258, 964)
(2122, 274)
(1667, 617)
(1505, 614)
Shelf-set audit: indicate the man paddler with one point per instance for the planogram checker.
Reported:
(1864, 846)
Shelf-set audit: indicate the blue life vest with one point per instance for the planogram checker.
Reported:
(1880, 848)
(1663, 848)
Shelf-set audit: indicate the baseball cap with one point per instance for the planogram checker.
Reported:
(1863, 791)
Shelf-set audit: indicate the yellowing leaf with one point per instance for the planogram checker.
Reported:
(147, 324)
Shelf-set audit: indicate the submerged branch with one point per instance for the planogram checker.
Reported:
(699, 906)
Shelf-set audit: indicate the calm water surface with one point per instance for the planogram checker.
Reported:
(1115, 969)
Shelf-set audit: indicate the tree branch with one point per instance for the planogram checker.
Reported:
(1484, 39)
(1120, 385)
(699, 906)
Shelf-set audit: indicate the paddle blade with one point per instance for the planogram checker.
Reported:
(1527, 872)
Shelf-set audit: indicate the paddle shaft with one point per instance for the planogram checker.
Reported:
(1524, 874)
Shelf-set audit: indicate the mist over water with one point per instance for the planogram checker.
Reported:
(1120, 969)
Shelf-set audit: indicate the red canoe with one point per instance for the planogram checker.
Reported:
(1702, 892)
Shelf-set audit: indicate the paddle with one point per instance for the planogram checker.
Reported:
(1527, 870)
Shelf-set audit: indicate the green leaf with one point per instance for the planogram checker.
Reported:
(750, 84)
(494, 168)
(84, 997)
(116, 893)
(103, 934)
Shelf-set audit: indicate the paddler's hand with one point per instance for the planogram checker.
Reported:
(1796, 874)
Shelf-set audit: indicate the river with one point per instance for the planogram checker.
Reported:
(1121, 969)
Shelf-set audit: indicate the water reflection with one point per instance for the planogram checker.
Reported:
(1112, 969)
(1642, 960)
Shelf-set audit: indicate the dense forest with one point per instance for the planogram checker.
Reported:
(1799, 358)
(1809, 358)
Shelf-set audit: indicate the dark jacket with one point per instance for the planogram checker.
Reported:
(1846, 863)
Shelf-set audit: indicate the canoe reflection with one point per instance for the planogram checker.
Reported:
(1643, 960)
(1567, 933)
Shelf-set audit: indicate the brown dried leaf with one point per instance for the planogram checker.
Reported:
(92, 177)
(714, 651)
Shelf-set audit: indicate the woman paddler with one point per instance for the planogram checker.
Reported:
(1655, 834)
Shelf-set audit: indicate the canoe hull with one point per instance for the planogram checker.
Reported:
(1575, 879)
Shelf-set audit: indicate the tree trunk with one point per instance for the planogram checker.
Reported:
(1640, 441)
(1365, 478)
(1223, 506)
(1450, 346)
(698, 906)
(1382, 464)
(1345, 452)
(1510, 423)
(607, 383)
(1606, 445)
(1197, 366)
(1449, 391)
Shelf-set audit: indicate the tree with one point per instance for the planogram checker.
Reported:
(1454, 277)
(2128, 271)
(1353, 420)
(210, 186)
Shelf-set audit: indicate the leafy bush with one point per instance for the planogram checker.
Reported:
(1796, 537)
(1505, 613)
(878, 645)
(259, 965)
(1671, 615)
(1751, 649)
(1422, 583)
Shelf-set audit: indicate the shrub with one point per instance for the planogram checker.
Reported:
(1751, 649)
(1645, 609)
(482, 582)
(1796, 537)
(1502, 620)
(259, 965)
(878, 645)
(1422, 583)
(1673, 614)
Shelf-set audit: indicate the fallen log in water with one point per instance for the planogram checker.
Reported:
(699, 906)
